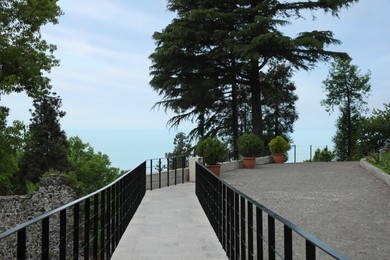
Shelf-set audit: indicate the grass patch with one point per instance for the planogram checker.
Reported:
(383, 162)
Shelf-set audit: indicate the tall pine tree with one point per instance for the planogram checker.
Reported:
(48, 147)
(214, 49)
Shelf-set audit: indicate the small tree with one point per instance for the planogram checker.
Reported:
(47, 148)
(323, 155)
(182, 147)
(347, 89)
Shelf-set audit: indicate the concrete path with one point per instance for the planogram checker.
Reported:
(339, 202)
(170, 224)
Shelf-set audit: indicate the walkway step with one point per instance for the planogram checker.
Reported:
(170, 224)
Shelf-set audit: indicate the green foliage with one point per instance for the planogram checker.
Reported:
(212, 150)
(30, 186)
(323, 155)
(48, 146)
(374, 131)
(207, 63)
(24, 56)
(250, 145)
(278, 145)
(383, 163)
(347, 89)
(278, 100)
(182, 147)
(11, 148)
(91, 169)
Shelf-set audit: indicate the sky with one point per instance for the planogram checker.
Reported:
(103, 77)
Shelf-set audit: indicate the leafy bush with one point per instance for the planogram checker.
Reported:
(250, 145)
(212, 150)
(323, 155)
(91, 169)
(383, 163)
(278, 145)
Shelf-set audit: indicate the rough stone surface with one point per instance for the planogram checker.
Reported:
(51, 193)
(338, 202)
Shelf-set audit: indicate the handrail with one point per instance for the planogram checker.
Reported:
(163, 169)
(54, 211)
(218, 209)
(96, 227)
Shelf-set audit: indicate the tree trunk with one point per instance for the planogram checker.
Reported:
(349, 130)
(235, 119)
(257, 117)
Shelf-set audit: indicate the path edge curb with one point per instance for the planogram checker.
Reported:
(375, 171)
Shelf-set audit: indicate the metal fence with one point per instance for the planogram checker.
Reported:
(302, 153)
(163, 172)
(88, 228)
(248, 230)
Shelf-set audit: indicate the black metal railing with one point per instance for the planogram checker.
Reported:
(163, 172)
(249, 230)
(88, 228)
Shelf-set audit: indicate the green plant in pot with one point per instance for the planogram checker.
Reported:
(213, 151)
(250, 146)
(278, 147)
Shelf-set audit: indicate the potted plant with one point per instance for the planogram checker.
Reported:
(278, 147)
(250, 146)
(213, 151)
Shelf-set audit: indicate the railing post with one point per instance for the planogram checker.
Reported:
(87, 207)
(76, 234)
(159, 173)
(295, 153)
(243, 229)
(175, 165)
(151, 174)
(102, 223)
(21, 250)
(108, 221)
(259, 233)
(63, 234)
(167, 172)
(310, 152)
(183, 164)
(287, 243)
(45, 238)
(237, 224)
(271, 238)
(250, 230)
(96, 226)
(310, 251)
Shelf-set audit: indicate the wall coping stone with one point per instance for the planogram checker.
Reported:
(375, 171)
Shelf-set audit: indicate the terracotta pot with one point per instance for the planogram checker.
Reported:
(279, 158)
(216, 169)
(249, 162)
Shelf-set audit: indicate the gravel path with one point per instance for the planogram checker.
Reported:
(339, 202)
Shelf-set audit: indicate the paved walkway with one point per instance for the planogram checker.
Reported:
(340, 203)
(170, 224)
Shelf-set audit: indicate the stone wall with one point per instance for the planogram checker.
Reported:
(51, 193)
